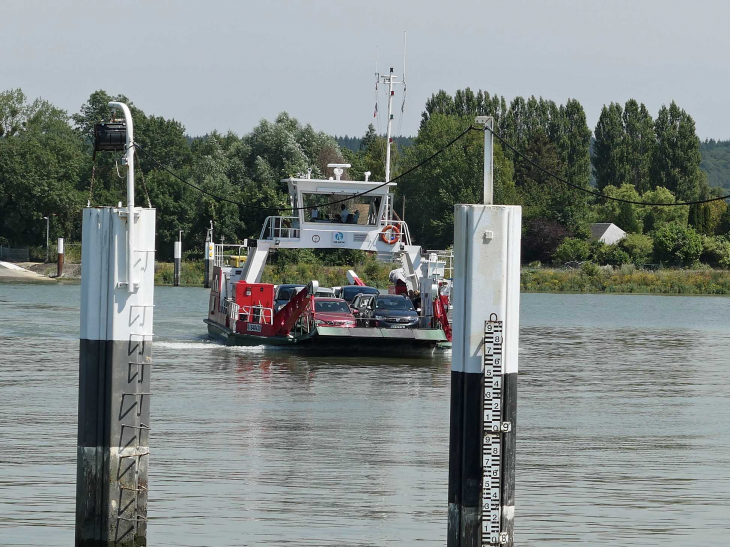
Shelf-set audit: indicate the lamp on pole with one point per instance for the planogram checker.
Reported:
(48, 225)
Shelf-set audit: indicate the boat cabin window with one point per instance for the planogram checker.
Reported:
(363, 210)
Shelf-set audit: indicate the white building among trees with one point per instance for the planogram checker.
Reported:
(607, 232)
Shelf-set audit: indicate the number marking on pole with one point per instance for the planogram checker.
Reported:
(493, 430)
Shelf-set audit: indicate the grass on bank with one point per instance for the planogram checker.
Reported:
(625, 279)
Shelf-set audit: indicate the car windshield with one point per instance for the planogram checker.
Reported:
(287, 292)
(330, 306)
(351, 291)
(393, 303)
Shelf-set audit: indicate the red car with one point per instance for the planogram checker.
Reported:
(330, 312)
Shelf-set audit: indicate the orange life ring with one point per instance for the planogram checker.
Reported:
(396, 234)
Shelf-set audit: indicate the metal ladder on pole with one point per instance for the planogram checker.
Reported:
(137, 488)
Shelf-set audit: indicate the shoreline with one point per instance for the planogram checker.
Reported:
(625, 280)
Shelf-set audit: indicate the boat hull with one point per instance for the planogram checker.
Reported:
(342, 341)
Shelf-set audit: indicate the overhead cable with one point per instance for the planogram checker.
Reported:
(292, 209)
(591, 192)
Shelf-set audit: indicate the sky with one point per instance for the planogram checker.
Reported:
(225, 65)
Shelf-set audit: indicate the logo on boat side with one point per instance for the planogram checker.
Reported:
(338, 238)
(315, 238)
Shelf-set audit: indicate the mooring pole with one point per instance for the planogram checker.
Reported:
(117, 284)
(177, 252)
(59, 263)
(486, 298)
(209, 257)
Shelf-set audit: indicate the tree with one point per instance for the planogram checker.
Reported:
(676, 164)
(655, 216)
(639, 247)
(608, 163)
(624, 215)
(677, 245)
(41, 167)
(454, 176)
(639, 144)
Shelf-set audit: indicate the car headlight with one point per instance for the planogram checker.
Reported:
(378, 317)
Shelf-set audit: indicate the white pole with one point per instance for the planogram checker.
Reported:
(390, 123)
(488, 123)
(486, 289)
(59, 259)
(131, 285)
(48, 226)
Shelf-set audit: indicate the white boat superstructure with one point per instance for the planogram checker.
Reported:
(334, 214)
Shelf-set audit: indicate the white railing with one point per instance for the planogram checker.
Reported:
(447, 257)
(235, 260)
(258, 314)
(280, 228)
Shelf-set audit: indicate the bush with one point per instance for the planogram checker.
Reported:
(715, 251)
(613, 255)
(541, 238)
(639, 248)
(572, 250)
(676, 244)
(590, 269)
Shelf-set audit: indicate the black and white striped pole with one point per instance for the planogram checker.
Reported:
(486, 300)
(117, 284)
(209, 257)
(59, 260)
(177, 256)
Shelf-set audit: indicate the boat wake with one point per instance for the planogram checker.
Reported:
(195, 345)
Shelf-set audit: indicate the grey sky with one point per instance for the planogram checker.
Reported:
(226, 64)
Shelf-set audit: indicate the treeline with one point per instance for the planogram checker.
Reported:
(47, 168)
(716, 162)
(635, 157)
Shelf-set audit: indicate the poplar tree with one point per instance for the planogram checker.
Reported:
(676, 164)
(639, 145)
(608, 163)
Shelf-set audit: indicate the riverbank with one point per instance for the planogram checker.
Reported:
(588, 279)
(626, 280)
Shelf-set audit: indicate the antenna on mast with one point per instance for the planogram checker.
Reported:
(377, 78)
(403, 105)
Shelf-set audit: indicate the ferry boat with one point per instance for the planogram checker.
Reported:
(328, 214)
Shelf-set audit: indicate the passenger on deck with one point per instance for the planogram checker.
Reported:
(344, 213)
(356, 217)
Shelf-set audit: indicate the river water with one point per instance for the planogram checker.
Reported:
(623, 430)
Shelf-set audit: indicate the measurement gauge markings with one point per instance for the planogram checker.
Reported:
(493, 429)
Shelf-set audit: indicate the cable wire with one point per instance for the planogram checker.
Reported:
(591, 192)
(292, 209)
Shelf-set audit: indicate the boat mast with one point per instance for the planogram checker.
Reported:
(390, 80)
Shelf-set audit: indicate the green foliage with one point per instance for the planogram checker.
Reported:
(454, 176)
(590, 269)
(676, 164)
(626, 279)
(716, 162)
(614, 255)
(572, 250)
(656, 216)
(677, 245)
(638, 247)
(608, 148)
(624, 215)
